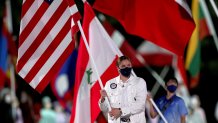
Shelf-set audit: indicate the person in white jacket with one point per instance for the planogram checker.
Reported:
(126, 94)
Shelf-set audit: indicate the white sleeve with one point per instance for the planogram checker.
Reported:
(104, 105)
(140, 99)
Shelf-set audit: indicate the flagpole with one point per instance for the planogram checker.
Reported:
(155, 106)
(209, 22)
(12, 79)
(153, 73)
(92, 61)
(157, 85)
(158, 78)
(214, 7)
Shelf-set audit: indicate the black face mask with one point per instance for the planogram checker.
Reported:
(126, 71)
(171, 88)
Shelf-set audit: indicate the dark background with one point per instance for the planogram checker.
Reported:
(208, 84)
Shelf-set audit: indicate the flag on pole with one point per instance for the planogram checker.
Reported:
(62, 85)
(45, 40)
(150, 52)
(8, 49)
(3, 58)
(166, 23)
(105, 53)
(193, 57)
(123, 44)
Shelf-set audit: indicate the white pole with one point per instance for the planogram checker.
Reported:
(12, 79)
(92, 60)
(153, 73)
(159, 79)
(161, 115)
(157, 85)
(214, 7)
(209, 22)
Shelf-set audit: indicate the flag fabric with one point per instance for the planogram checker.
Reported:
(152, 54)
(166, 23)
(193, 56)
(3, 58)
(155, 55)
(62, 85)
(105, 53)
(123, 44)
(45, 40)
(179, 70)
(8, 49)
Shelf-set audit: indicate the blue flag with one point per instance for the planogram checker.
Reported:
(3, 52)
(62, 85)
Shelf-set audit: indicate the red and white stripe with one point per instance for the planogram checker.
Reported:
(45, 40)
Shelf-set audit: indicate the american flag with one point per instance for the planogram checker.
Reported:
(45, 40)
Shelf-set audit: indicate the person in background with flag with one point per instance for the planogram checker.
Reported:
(171, 106)
(126, 94)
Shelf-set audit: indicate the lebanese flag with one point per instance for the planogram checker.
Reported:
(123, 44)
(167, 23)
(105, 53)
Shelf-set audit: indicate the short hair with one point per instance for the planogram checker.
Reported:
(121, 58)
(172, 78)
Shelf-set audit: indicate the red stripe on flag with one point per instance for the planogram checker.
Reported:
(32, 23)
(81, 64)
(158, 59)
(53, 20)
(108, 27)
(101, 118)
(48, 52)
(26, 6)
(110, 73)
(76, 17)
(39, 75)
(44, 82)
(71, 2)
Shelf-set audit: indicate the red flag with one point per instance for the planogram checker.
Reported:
(104, 52)
(45, 40)
(150, 52)
(164, 22)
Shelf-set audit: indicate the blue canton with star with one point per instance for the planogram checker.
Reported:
(49, 1)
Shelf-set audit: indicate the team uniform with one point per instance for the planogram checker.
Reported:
(130, 97)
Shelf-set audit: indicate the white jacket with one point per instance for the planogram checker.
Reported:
(129, 96)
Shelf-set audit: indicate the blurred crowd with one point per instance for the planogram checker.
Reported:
(24, 110)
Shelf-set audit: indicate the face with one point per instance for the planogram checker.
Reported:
(125, 63)
(171, 82)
